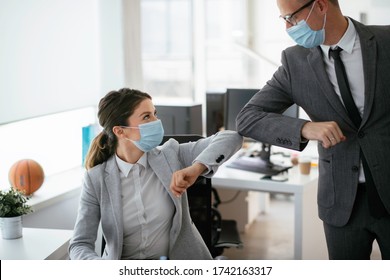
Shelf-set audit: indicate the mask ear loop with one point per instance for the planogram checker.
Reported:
(323, 26)
(311, 10)
(131, 127)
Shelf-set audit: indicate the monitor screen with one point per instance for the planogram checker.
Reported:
(235, 100)
(180, 119)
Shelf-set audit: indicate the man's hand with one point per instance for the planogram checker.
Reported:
(184, 178)
(327, 133)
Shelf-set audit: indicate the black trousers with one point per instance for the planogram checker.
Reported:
(354, 240)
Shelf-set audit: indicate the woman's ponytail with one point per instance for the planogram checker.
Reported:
(101, 149)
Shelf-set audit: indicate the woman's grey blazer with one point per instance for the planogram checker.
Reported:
(101, 200)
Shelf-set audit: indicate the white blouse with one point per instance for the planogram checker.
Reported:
(147, 211)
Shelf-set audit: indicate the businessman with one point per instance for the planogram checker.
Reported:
(339, 73)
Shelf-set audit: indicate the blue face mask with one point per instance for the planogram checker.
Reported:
(151, 135)
(306, 37)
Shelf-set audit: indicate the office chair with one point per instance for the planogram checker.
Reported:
(225, 231)
(203, 201)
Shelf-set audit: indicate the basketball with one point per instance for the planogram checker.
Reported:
(26, 175)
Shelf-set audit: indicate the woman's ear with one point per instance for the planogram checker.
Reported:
(118, 131)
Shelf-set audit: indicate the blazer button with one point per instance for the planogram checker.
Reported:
(220, 158)
(355, 168)
(361, 134)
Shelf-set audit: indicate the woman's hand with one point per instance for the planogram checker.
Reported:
(184, 178)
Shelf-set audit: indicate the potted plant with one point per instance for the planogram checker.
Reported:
(13, 205)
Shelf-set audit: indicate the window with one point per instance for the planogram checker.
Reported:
(167, 48)
(227, 62)
(168, 52)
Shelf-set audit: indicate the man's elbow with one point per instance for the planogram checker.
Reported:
(240, 124)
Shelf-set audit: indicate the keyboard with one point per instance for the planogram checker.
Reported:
(256, 164)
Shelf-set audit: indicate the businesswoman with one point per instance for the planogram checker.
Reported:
(136, 189)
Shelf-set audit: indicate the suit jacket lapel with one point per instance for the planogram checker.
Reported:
(159, 165)
(113, 184)
(369, 53)
(316, 63)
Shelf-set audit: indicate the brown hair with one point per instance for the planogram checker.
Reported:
(114, 109)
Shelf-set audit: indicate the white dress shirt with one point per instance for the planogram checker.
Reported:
(147, 211)
(353, 63)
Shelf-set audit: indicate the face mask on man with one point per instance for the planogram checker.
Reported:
(151, 135)
(306, 37)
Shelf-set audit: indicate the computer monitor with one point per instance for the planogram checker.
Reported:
(259, 161)
(215, 107)
(235, 100)
(180, 119)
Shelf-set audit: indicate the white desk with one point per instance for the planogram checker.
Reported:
(37, 244)
(309, 239)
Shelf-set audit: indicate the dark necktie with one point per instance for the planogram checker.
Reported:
(376, 206)
(345, 91)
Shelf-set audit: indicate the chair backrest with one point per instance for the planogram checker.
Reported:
(199, 201)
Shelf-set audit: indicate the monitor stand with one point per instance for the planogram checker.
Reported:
(258, 162)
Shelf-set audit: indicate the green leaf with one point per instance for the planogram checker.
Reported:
(13, 203)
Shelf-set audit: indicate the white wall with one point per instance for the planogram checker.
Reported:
(58, 55)
(49, 57)
(112, 63)
(120, 45)
(377, 10)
